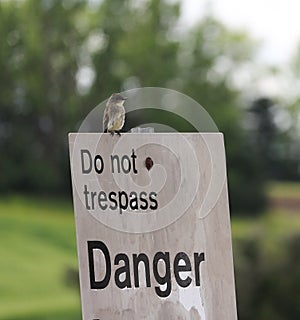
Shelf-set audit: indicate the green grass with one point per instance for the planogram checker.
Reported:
(273, 223)
(283, 190)
(270, 229)
(38, 245)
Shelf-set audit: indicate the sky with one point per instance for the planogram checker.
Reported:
(273, 22)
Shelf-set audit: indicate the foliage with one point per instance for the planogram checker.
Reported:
(61, 58)
(267, 268)
(278, 154)
(39, 99)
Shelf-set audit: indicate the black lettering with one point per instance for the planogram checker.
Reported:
(121, 205)
(133, 156)
(102, 198)
(143, 200)
(93, 195)
(83, 168)
(98, 245)
(126, 283)
(86, 193)
(136, 260)
(181, 268)
(152, 198)
(162, 280)
(98, 170)
(128, 164)
(133, 201)
(198, 258)
(112, 158)
(111, 196)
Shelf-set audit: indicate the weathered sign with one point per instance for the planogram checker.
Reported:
(153, 226)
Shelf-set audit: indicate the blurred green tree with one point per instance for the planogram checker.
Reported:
(39, 101)
(135, 44)
(59, 56)
(210, 58)
(291, 137)
(267, 276)
(273, 137)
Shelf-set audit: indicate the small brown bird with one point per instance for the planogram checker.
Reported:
(114, 114)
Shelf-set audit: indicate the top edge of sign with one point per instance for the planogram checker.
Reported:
(146, 133)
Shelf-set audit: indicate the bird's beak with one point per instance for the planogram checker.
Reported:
(125, 98)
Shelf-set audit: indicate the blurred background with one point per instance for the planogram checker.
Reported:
(60, 58)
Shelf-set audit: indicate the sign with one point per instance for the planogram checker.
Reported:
(153, 226)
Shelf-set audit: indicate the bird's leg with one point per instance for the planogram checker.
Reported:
(112, 133)
(118, 133)
(105, 130)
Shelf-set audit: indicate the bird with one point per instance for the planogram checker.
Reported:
(114, 114)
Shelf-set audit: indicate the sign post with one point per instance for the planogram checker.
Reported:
(153, 226)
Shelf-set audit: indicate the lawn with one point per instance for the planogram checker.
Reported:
(283, 190)
(37, 249)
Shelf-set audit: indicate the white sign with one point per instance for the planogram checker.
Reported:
(153, 226)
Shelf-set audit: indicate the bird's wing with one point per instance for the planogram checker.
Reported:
(105, 120)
